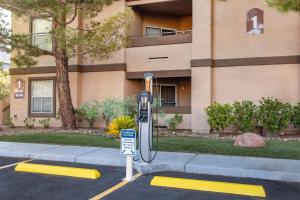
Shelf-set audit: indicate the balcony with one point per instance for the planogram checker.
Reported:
(161, 37)
(161, 22)
(179, 37)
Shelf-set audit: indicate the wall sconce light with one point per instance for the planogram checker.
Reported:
(183, 87)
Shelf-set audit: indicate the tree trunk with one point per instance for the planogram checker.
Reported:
(66, 110)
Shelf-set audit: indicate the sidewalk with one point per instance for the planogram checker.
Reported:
(235, 166)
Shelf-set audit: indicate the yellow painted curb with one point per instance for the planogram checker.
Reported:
(209, 186)
(58, 170)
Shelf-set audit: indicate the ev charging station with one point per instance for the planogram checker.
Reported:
(145, 123)
(144, 149)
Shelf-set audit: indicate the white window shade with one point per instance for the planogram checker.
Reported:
(42, 96)
(42, 88)
(41, 36)
(41, 25)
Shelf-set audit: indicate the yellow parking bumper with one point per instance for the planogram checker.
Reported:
(209, 186)
(58, 170)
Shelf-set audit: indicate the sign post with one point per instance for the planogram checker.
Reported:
(128, 148)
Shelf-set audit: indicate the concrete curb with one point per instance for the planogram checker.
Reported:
(235, 166)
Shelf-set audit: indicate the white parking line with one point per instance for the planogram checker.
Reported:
(114, 188)
(14, 164)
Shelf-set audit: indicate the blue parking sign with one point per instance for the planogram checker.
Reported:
(128, 142)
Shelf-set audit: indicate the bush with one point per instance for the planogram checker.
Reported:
(45, 122)
(89, 111)
(29, 122)
(114, 107)
(119, 123)
(10, 121)
(129, 106)
(274, 114)
(4, 83)
(219, 116)
(174, 121)
(245, 116)
(296, 115)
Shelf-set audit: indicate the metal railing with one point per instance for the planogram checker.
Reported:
(171, 33)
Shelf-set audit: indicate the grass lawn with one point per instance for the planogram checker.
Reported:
(274, 149)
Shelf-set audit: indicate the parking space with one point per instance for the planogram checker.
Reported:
(16, 185)
(25, 186)
(141, 189)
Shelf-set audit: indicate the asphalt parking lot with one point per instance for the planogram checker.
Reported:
(25, 186)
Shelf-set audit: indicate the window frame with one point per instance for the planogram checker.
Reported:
(41, 115)
(161, 28)
(32, 34)
(159, 87)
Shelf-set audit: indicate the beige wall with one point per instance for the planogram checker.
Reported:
(186, 124)
(253, 82)
(219, 32)
(179, 57)
(100, 85)
(202, 29)
(84, 87)
(107, 11)
(201, 98)
(281, 31)
(19, 107)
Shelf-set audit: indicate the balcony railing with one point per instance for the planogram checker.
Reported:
(178, 37)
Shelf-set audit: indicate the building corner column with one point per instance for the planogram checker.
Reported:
(201, 69)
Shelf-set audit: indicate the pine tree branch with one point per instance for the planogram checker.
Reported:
(75, 13)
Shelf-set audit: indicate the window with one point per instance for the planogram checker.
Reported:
(41, 36)
(167, 94)
(165, 32)
(152, 31)
(42, 96)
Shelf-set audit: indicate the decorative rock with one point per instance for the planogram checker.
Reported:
(251, 140)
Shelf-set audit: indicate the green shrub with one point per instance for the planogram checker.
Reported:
(119, 123)
(29, 122)
(45, 122)
(89, 111)
(245, 116)
(174, 121)
(113, 107)
(4, 83)
(129, 106)
(10, 121)
(219, 116)
(296, 115)
(274, 114)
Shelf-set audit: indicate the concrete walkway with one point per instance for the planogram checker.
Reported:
(235, 166)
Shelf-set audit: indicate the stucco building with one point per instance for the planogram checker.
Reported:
(201, 51)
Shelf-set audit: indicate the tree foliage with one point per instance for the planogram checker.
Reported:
(97, 38)
(76, 31)
(4, 84)
(285, 5)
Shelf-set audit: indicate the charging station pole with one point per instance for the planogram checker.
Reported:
(145, 100)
